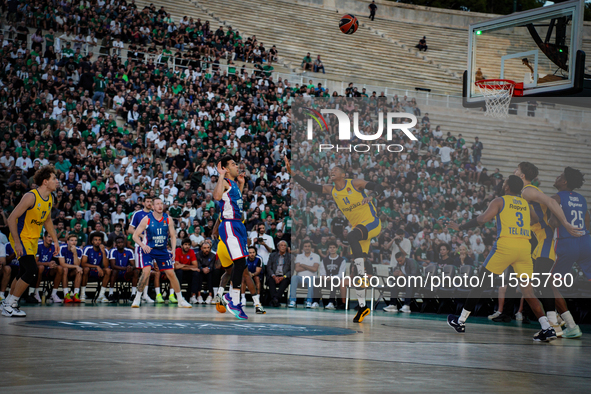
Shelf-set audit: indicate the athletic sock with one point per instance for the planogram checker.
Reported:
(568, 318)
(220, 291)
(37, 290)
(256, 299)
(83, 290)
(66, 291)
(138, 296)
(157, 290)
(76, 291)
(171, 292)
(360, 297)
(8, 300)
(544, 323)
(111, 291)
(235, 295)
(133, 290)
(102, 292)
(145, 292)
(215, 290)
(552, 318)
(54, 292)
(464, 316)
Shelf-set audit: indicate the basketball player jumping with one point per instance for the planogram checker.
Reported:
(569, 249)
(158, 227)
(25, 224)
(358, 208)
(232, 233)
(512, 247)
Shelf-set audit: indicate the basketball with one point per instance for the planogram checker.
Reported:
(348, 24)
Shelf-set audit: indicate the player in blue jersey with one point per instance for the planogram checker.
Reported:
(70, 258)
(95, 265)
(158, 229)
(570, 249)
(139, 254)
(122, 265)
(232, 233)
(48, 268)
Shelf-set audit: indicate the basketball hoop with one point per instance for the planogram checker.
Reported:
(497, 95)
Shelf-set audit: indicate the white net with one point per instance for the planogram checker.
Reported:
(497, 96)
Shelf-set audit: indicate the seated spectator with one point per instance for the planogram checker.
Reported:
(186, 268)
(254, 264)
(205, 262)
(463, 257)
(307, 63)
(332, 265)
(405, 267)
(306, 266)
(279, 272)
(422, 45)
(318, 65)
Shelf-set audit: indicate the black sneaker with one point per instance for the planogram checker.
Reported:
(453, 322)
(259, 310)
(545, 335)
(361, 313)
(502, 318)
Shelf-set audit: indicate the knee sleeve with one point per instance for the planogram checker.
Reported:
(28, 269)
(239, 266)
(357, 234)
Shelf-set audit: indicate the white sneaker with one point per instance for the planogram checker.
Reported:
(391, 308)
(496, 314)
(559, 318)
(315, 305)
(193, 300)
(136, 302)
(12, 311)
(308, 305)
(292, 304)
(56, 299)
(558, 330)
(208, 300)
(519, 316)
(2, 296)
(330, 306)
(182, 303)
(146, 298)
(200, 300)
(83, 296)
(103, 299)
(405, 309)
(37, 297)
(243, 301)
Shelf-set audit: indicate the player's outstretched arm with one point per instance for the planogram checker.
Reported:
(493, 209)
(27, 202)
(172, 232)
(309, 186)
(533, 195)
(222, 184)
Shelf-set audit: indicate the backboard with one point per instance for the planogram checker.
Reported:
(539, 48)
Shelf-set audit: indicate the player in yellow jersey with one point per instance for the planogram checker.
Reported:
(514, 218)
(25, 224)
(358, 208)
(544, 254)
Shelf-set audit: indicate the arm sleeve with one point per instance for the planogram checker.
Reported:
(376, 187)
(309, 186)
(470, 224)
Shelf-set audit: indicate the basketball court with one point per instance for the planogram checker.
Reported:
(75, 348)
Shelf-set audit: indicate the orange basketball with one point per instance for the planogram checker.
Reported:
(349, 24)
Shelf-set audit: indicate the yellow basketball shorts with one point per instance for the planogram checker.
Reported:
(29, 246)
(223, 255)
(510, 251)
(374, 228)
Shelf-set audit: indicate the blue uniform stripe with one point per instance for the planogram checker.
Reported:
(20, 223)
(490, 255)
(373, 225)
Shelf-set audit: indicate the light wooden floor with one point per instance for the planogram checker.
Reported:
(386, 353)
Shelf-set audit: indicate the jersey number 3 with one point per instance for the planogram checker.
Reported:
(519, 219)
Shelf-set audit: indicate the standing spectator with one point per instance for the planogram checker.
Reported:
(477, 150)
(372, 10)
(422, 45)
(398, 244)
(445, 153)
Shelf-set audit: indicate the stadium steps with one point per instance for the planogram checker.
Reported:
(293, 28)
(508, 142)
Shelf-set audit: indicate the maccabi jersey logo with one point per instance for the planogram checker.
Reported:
(345, 124)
